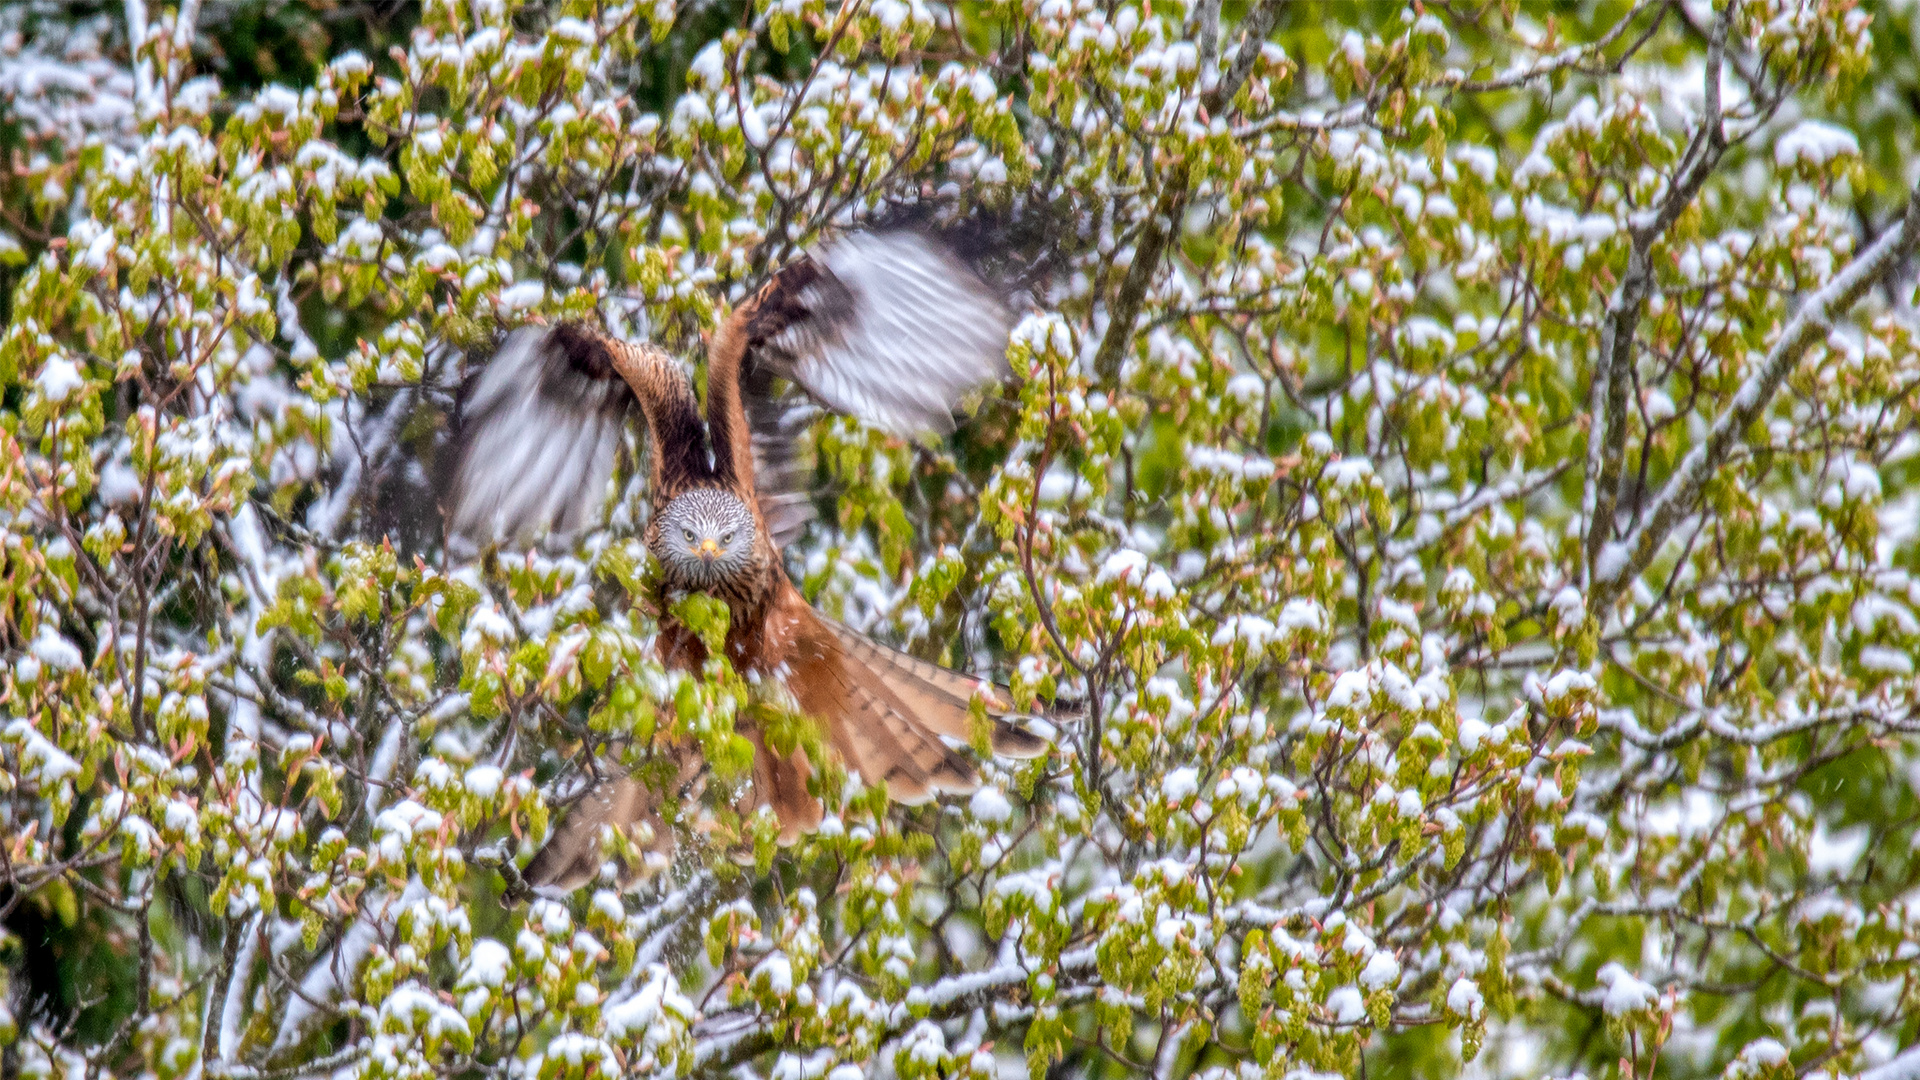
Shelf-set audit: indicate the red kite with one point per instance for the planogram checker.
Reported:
(891, 327)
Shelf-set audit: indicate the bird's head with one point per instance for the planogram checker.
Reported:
(705, 537)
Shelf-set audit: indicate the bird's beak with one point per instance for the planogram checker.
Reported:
(709, 550)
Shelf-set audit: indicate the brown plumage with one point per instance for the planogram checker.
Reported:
(890, 327)
(571, 858)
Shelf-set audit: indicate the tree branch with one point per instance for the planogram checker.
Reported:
(1566, 58)
(730, 1038)
(1164, 224)
(1619, 563)
(1606, 456)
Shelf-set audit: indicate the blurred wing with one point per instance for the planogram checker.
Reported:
(572, 855)
(539, 431)
(891, 327)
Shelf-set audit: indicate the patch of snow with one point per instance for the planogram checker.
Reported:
(1814, 143)
(990, 805)
(59, 379)
(1464, 999)
(1180, 784)
(1346, 1006)
(1625, 992)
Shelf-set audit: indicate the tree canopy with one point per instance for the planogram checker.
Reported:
(1460, 493)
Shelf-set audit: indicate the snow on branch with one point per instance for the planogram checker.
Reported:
(1623, 560)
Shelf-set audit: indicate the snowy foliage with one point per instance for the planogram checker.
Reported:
(1460, 493)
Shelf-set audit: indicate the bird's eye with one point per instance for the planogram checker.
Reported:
(726, 538)
(688, 533)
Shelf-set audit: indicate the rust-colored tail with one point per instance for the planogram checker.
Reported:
(875, 731)
(887, 715)
(938, 697)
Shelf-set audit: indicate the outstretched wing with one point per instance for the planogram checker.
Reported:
(540, 428)
(891, 327)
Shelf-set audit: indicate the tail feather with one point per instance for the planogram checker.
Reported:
(879, 735)
(913, 761)
(938, 697)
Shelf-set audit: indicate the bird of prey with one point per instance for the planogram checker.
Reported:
(889, 326)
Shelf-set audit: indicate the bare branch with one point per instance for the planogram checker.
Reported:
(1577, 58)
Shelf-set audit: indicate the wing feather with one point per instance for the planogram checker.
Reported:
(572, 856)
(893, 328)
(777, 417)
(538, 433)
(540, 430)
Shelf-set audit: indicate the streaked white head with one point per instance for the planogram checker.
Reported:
(705, 537)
